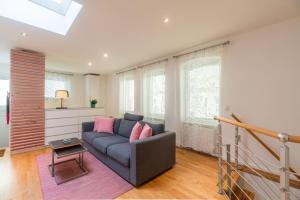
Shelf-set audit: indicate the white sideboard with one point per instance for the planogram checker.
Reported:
(67, 123)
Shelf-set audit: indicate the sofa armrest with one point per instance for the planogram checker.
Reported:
(152, 156)
(87, 126)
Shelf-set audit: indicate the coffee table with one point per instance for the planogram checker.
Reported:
(62, 150)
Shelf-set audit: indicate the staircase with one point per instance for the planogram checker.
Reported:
(234, 190)
(243, 175)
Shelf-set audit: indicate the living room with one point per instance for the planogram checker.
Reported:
(143, 99)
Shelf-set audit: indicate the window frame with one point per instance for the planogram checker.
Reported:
(185, 97)
(147, 84)
(123, 80)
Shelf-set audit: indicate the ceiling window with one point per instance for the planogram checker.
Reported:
(126, 92)
(3, 91)
(200, 88)
(153, 91)
(56, 81)
(52, 15)
(58, 6)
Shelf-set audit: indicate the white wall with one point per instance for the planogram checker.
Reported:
(111, 102)
(95, 87)
(260, 80)
(260, 84)
(261, 75)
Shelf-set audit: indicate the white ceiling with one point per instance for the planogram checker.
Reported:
(132, 31)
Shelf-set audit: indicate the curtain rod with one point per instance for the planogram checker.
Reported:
(126, 71)
(202, 49)
(158, 61)
(175, 56)
(144, 65)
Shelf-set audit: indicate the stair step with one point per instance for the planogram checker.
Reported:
(234, 179)
(242, 196)
(236, 189)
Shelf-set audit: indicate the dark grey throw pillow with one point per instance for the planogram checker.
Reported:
(156, 128)
(126, 127)
(116, 125)
(133, 117)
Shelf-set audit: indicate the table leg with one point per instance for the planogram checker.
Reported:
(52, 169)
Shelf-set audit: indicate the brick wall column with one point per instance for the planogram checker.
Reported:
(27, 79)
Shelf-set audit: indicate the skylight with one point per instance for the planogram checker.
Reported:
(42, 14)
(59, 6)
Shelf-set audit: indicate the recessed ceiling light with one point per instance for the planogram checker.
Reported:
(166, 20)
(105, 55)
(24, 34)
(90, 63)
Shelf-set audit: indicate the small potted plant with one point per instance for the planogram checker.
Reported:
(93, 103)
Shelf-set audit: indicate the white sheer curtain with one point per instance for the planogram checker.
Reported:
(153, 91)
(56, 81)
(126, 92)
(199, 98)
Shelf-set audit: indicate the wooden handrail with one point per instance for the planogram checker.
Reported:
(275, 155)
(273, 134)
(294, 138)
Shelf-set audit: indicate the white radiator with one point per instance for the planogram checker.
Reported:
(199, 138)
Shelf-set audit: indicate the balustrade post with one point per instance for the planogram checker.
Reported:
(284, 168)
(228, 171)
(236, 149)
(220, 176)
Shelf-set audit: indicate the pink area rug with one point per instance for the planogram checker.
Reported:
(100, 183)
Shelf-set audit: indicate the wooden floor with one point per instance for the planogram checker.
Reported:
(193, 177)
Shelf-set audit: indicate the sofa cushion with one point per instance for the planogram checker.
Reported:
(102, 143)
(120, 153)
(156, 128)
(136, 132)
(146, 132)
(116, 125)
(104, 124)
(133, 117)
(90, 136)
(126, 127)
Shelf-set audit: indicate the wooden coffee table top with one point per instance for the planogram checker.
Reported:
(58, 144)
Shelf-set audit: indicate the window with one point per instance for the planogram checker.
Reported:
(52, 15)
(58, 6)
(55, 81)
(126, 92)
(154, 92)
(200, 89)
(4, 88)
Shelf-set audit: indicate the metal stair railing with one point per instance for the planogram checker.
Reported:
(257, 168)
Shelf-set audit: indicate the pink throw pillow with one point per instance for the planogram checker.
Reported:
(136, 132)
(146, 132)
(104, 124)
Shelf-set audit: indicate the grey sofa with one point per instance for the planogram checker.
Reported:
(136, 162)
